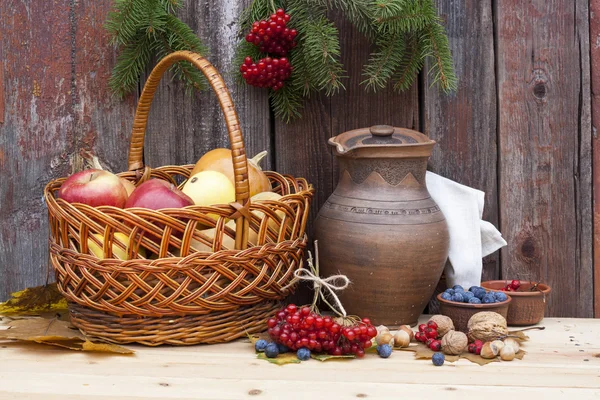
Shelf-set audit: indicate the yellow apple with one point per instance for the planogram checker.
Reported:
(117, 251)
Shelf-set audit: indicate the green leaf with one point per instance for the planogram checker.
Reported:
(327, 357)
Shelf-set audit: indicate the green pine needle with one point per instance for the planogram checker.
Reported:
(435, 45)
(147, 29)
(384, 62)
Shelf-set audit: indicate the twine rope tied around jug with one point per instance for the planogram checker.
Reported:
(323, 287)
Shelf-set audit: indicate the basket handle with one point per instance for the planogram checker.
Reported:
(238, 150)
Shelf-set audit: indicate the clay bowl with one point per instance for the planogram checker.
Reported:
(460, 313)
(527, 307)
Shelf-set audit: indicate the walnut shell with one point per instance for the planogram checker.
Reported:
(487, 326)
(454, 342)
(444, 324)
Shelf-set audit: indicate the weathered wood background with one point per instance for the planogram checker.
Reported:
(520, 126)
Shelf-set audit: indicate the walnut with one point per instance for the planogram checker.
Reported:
(454, 342)
(487, 326)
(444, 324)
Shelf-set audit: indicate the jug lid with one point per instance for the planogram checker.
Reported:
(382, 141)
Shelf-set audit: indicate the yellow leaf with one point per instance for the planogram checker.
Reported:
(105, 348)
(282, 359)
(34, 300)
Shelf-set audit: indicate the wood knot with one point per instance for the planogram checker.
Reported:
(528, 248)
(539, 84)
(255, 392)
(539, 90)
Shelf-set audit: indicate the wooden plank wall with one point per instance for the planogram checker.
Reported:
(519, 128)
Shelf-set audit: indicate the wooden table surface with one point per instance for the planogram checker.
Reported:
(562, 361)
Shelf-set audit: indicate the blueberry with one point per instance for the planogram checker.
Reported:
(384, 350)
(480, 293)
(474, 288)
(488, 299)
(282, 348)
(447, 296)
(438, 359)
(474, 300)
(260, 345)
(468, 295)
(271, 350)
(500, 296)
(458, 297)
(449, 291)
(458, 288)
(303, 354)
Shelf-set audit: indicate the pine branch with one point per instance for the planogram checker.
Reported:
(403, 15)
(385, 61)
(412, 62)
(131, 63)
(124, 20)
(179, 36)
(147, 29)
(436, 46)
(321, 47)
(359, 12)
(286, 103)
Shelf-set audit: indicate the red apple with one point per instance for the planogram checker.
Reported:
(94, 187)
(156, 194)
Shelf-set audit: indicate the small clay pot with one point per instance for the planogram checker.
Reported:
(460, 313)
(528, 307)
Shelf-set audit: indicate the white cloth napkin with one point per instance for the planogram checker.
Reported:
(471, 238)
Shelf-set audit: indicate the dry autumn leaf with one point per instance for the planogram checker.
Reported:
(282, 359)
(422, 352)
(34, 300)
(54, 332)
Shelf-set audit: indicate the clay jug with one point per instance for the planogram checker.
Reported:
(380, 227)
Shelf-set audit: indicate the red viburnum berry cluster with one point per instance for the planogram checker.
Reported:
(274, 38)
(475, 347)
(268, 72)
(300, 327)
(428, 334)
(512, 287)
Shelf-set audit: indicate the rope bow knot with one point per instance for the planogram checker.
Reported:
(330, 284)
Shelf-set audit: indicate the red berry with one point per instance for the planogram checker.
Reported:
(429, 341)
(432, 325)
(335, 328)
(478, 350)
(515, 284)
(436, 345)
(422, 327)
(431, 333)
(367, 344)
(478, 343)
(419, 336)
(472, 348)
(318, 322)
(337, 351)
(291, 308)
(371, 331)
(360, 353)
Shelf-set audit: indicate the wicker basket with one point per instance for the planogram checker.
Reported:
(175, 293)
